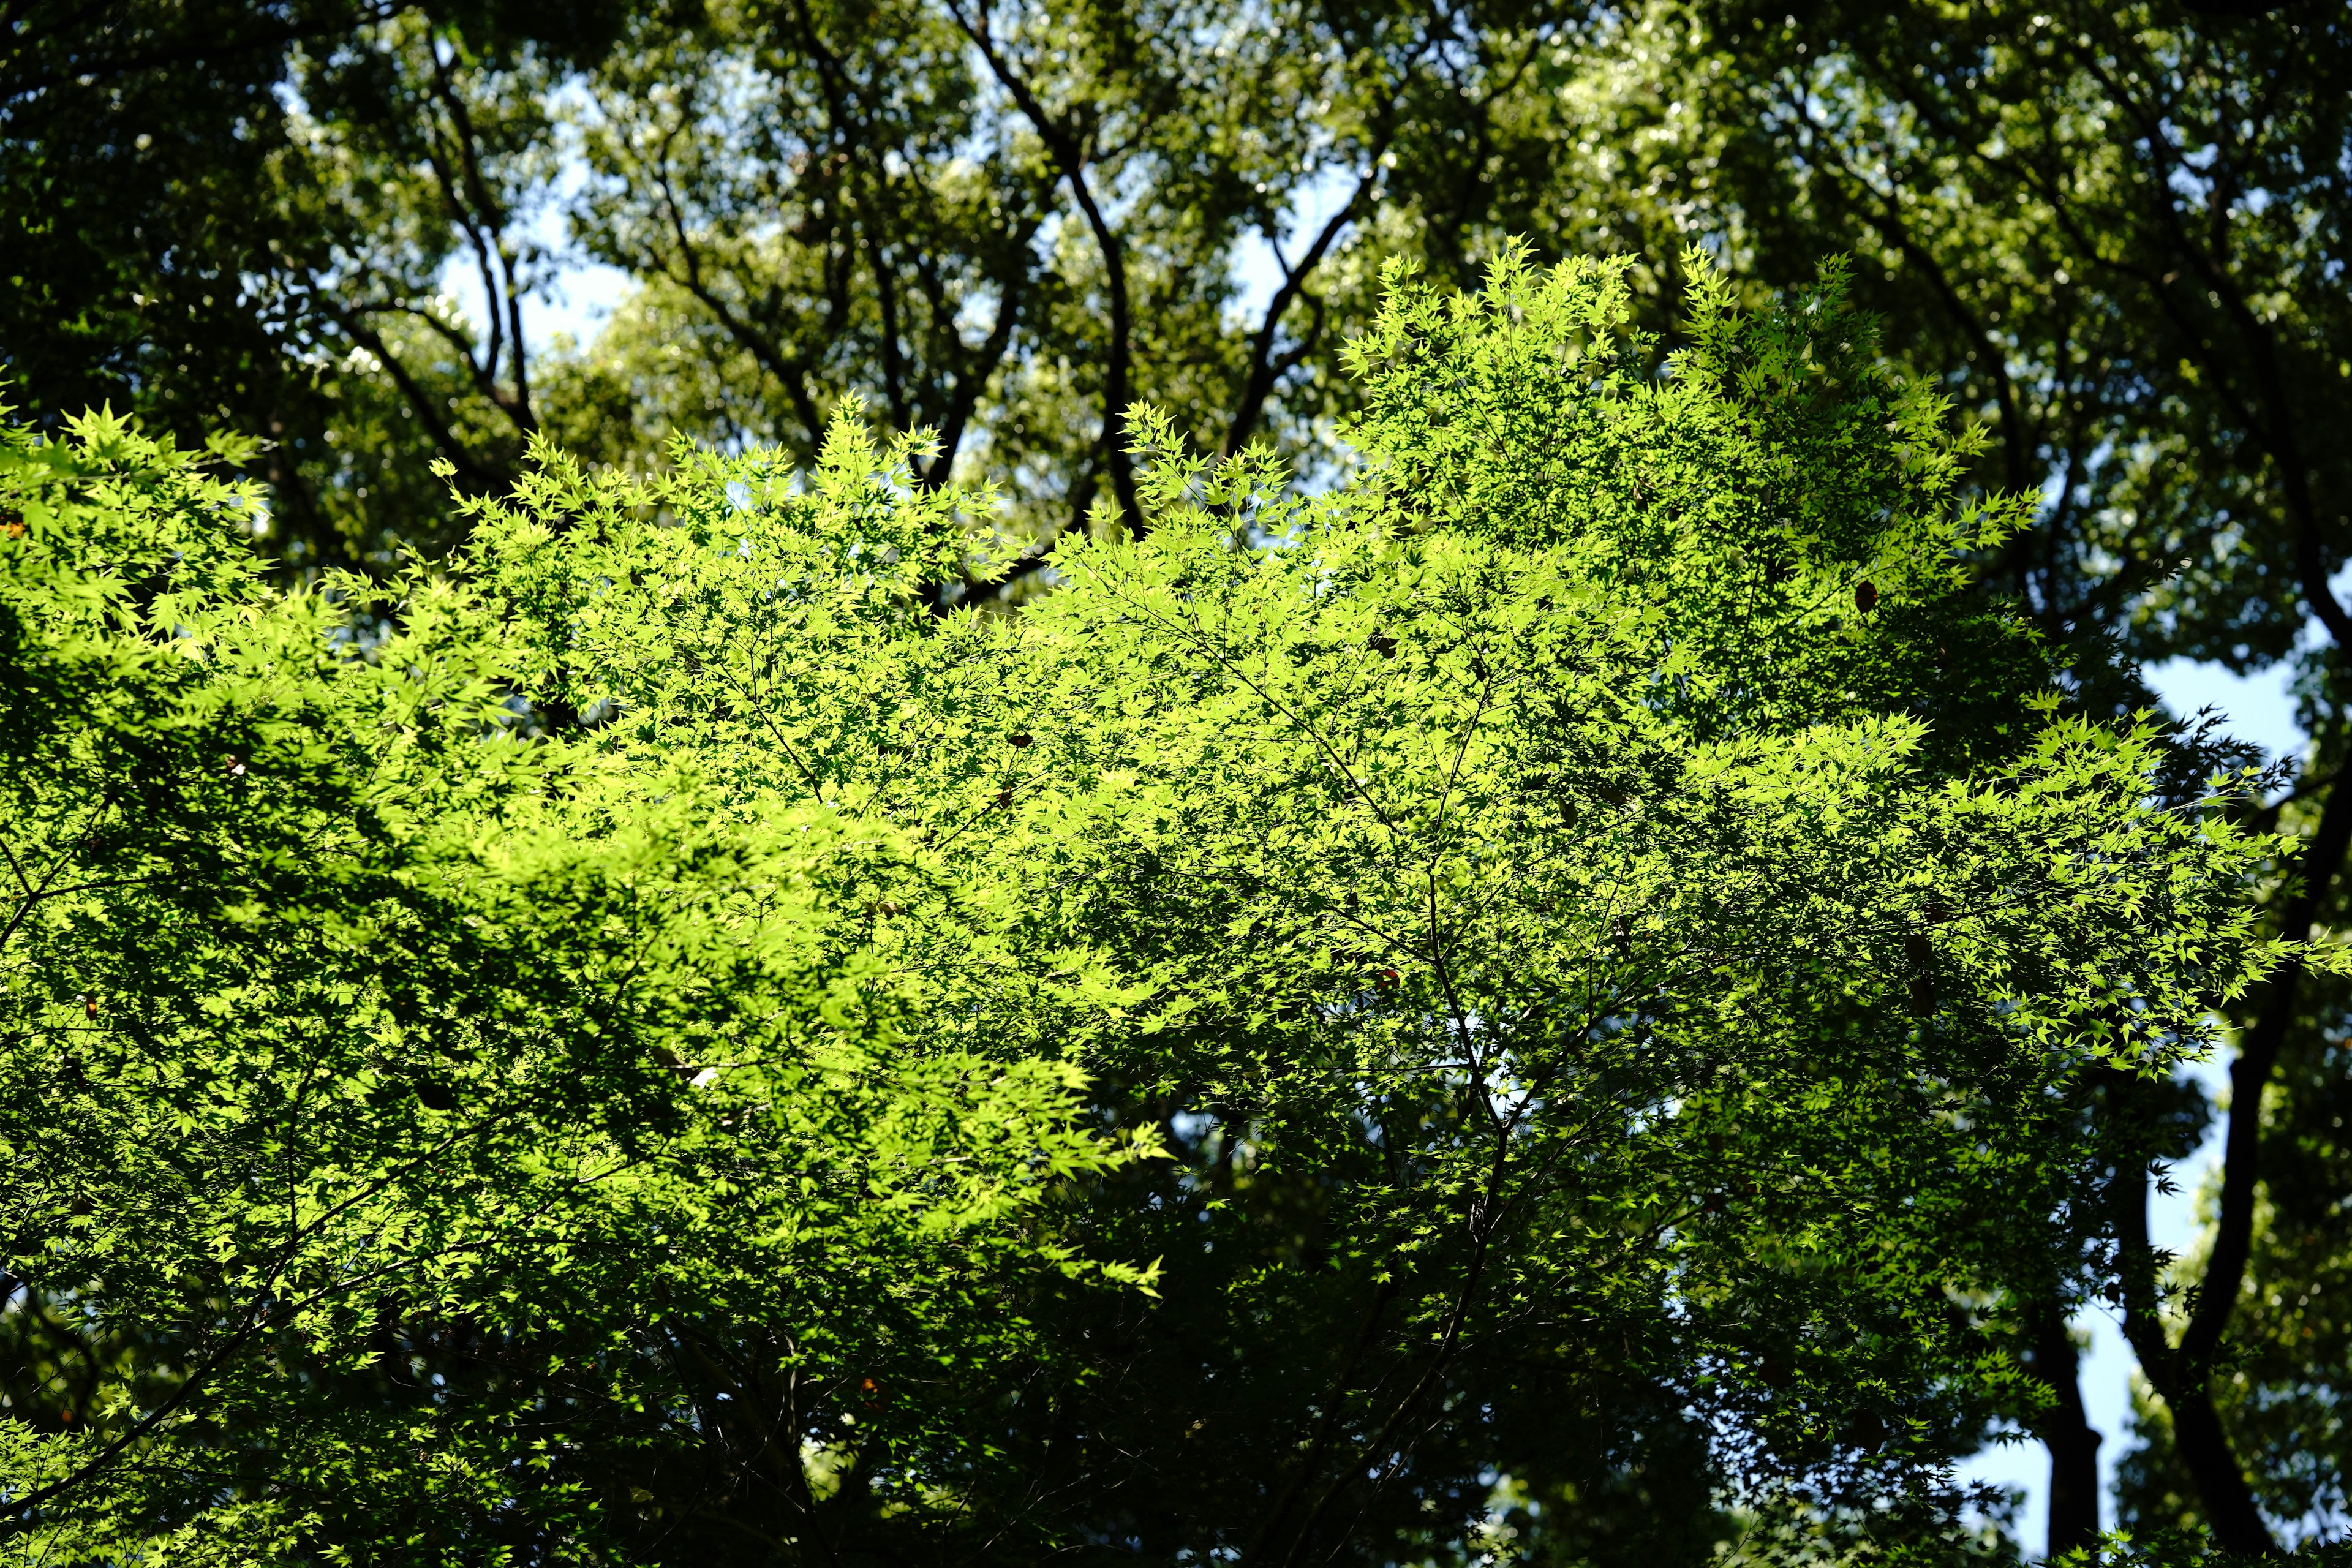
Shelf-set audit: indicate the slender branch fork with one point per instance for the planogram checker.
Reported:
(1073, 153)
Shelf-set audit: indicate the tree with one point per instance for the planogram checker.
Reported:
(2109, 232)
(240, 214)
(1593, 906)
(1002, 224)
(396, 1106)
(999, 224)
(2120, 219)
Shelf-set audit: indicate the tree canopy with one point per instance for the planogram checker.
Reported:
(1552, 999)
(2114, 237)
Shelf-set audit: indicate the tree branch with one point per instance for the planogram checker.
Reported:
(1070, 157)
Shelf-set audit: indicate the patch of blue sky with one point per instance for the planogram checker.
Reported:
(2259, 707)
(570, 293)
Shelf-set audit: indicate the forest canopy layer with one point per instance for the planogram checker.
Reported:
(1578, 994)
(366, 253)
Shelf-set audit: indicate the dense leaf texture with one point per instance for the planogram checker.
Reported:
(2115, 233)
(1608, 935)
(392, 1105)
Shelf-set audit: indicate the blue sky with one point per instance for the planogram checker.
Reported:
(2259, 707)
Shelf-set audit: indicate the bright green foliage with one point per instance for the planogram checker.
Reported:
(1777, 471)
(1611, 936)
(332, 1008)
(1567, 895)
(2117, 234)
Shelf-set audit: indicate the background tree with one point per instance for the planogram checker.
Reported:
(2124, 220)
(999, 223)
(239, 214)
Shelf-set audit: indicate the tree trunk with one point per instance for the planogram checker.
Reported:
(2181, 1381)
(2073, 1442)
(2228, 1502)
